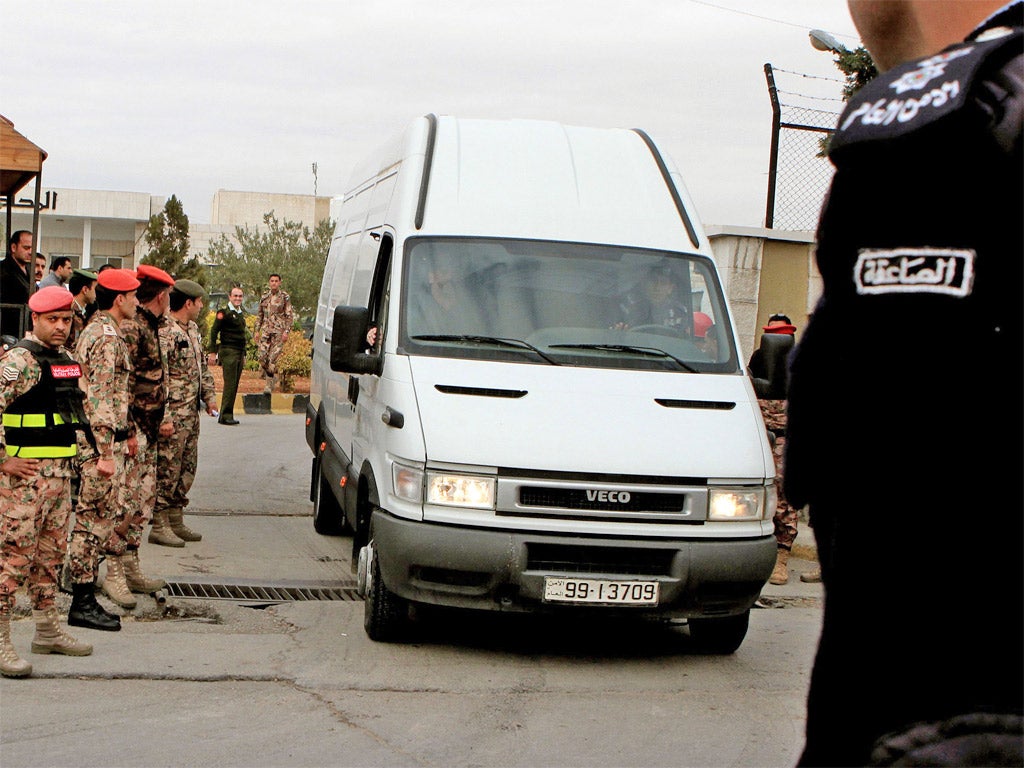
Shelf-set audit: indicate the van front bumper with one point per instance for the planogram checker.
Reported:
(504, 570)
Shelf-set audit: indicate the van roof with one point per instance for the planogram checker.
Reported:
(544, 180)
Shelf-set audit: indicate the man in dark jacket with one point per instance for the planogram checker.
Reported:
(227, 341)
(14, 284)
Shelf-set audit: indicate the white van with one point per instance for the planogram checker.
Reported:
(555, 415)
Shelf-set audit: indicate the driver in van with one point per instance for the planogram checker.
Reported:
(655, 302)
(447, 306)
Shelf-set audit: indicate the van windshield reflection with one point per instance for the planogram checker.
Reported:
(565, 304)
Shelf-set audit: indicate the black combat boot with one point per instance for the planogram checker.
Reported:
(86, 612)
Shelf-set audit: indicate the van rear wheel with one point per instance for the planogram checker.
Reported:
(385, 614)
(328, 516)
(719, 636)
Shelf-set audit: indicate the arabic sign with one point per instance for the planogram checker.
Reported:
(47, 201)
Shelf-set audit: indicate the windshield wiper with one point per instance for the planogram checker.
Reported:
(474, 339)
(647, 351)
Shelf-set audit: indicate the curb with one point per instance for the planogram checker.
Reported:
(269, 404)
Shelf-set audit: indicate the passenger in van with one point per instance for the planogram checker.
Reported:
(656, 302)
(705, 335)
(445, 304)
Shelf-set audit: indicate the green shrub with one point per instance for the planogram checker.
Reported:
(296, 360)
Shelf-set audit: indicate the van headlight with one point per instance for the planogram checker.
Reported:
(474, 491)
(739, 503)
(447, 488)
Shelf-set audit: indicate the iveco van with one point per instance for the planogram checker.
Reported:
(550, 412)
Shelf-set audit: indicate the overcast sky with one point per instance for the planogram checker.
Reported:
(192, 96)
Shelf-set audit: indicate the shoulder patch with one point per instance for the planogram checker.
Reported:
(10, 373)
(109, 330)
(914, 94)
(948, 271)
(220, 315)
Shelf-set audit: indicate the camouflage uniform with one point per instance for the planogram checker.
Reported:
(188, 381)
(274, 319)
(149, 393)
(106, 375)
(79, 317)
(34, 513)
(785, 518)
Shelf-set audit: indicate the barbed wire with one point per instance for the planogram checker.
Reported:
(802, 171)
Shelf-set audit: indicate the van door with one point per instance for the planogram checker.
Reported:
(363, 388)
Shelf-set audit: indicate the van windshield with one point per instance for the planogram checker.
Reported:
(564, 304)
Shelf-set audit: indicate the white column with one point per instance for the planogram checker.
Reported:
(87, 244)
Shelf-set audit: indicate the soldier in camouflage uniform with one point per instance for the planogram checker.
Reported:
(106, 379)
(149, 393)
(273, 322)
(773, 411)
(37, 379)
(83, 291)
(189, 388)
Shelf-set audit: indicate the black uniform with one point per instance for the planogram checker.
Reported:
(229, 327)
(905, 402)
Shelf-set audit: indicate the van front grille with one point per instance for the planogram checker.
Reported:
(578, 498)
(561, 558)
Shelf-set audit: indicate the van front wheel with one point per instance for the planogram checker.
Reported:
(719, 636)
(385, 614)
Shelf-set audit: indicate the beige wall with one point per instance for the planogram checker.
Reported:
(238, 209)
(765, 271)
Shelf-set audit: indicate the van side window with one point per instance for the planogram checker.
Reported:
(379, 289)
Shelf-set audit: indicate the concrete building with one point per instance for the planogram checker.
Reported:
(96, 227)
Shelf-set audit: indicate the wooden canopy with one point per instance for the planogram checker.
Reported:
(20, 160)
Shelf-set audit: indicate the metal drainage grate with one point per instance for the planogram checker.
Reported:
(265, 592)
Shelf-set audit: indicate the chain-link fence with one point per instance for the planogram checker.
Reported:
(799, 174)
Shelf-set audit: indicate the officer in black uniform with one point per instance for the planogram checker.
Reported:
(227, 340)
(907, 444)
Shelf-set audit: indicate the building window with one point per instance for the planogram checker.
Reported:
(99, 261)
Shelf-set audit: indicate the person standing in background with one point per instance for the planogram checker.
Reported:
(83, 291)
(227, 343)
(39, 268)
(61, 270)
(190, 389)
(15, 285)
(920, 657)
(273, 322)
(772, 400)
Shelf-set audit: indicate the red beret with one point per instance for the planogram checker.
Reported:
(701, 323)
(120, 280)
(149, 272)
(778, 326)
(52, 298)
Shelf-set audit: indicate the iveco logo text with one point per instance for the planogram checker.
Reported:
(619, 497)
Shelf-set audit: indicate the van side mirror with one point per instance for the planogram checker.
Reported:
(769, 370)
(348, 342)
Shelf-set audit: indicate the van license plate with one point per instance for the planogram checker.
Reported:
(561, 590)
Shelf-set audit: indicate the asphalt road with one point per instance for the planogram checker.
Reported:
(296, 682)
